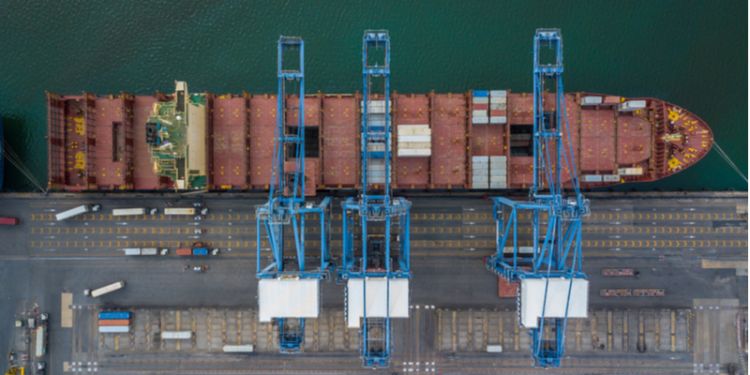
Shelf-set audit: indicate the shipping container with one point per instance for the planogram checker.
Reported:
(114, 329)
(82, 209)
(149, 251)
(114, 322)
(128, 211)
(40, 339)
(200, 251)
(179, 211)
(114, 315)
(184, 251)
(248, 348)
(107, 289)
(619, 272)
(176, 335)
(506, 289)
(132, 251)
(8, 221)
(494, 348)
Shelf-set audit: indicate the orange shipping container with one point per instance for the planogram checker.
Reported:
(184, 251)
(506, 289)
(114, 322)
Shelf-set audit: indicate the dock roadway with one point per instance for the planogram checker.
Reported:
(692, 246)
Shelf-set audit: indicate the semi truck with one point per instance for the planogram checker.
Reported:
(619, 272)
(179, 211)
(80, 210)
(137, 251)
(105, 289)
(133, 211)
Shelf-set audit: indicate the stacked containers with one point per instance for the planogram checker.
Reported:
(480, 106)
(414, 141)
(498, 172)
(114, 321)
(480, 172)
(498, 106)
(376, 147)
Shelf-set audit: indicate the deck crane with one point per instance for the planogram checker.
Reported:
(553, 286)
(288, 289)
(375, 257)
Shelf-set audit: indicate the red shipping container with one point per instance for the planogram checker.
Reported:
(506, 289)
(114, 322)
(184, 251)
(8, 221)
(498, 112)
(480, 106)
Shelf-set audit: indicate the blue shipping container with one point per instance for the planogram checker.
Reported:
(114, 315)
(481, 93)
(199, 251)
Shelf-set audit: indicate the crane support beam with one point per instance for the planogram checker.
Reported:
(281, 222)
(553, 285)
(375, 225)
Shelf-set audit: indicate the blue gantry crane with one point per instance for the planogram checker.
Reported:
(553, 286)
(375, 226)
(288, 287)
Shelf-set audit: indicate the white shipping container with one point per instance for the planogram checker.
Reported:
(632, 105)
(132, 251)
(480, 186)
(494, 348)
(480, 158)
(591, 100)
(611, 178)
(128, 211)
(480, 99)
(498, 119)
(237, 348)
(375, 146)
(149, 251)
(40, 344)
(415, 145)
(414, 138)
(114, 329)
(637, 171)
(498, 107)
(592, 178)
(498, 100)
(498, 93)
(107, 289)
(414, 129)
(414, 152)
(480, 120)
(479, 113)
(72, 212)
(176, 335)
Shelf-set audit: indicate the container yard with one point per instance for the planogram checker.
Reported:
(376, 230)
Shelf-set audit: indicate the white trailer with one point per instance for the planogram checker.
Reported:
(179, 211)
(82, 209)
(248, 348)
(107, 289)
(41, 344)
(128, 211)
(132, 251)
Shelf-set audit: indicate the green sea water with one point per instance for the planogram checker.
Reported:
(691, 53)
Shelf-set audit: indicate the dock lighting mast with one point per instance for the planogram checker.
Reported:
(375, 260)
(288, 290)
(553, 286)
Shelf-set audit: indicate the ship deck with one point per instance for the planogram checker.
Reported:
(99, 143)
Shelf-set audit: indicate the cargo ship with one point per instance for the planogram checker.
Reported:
(476, 140)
